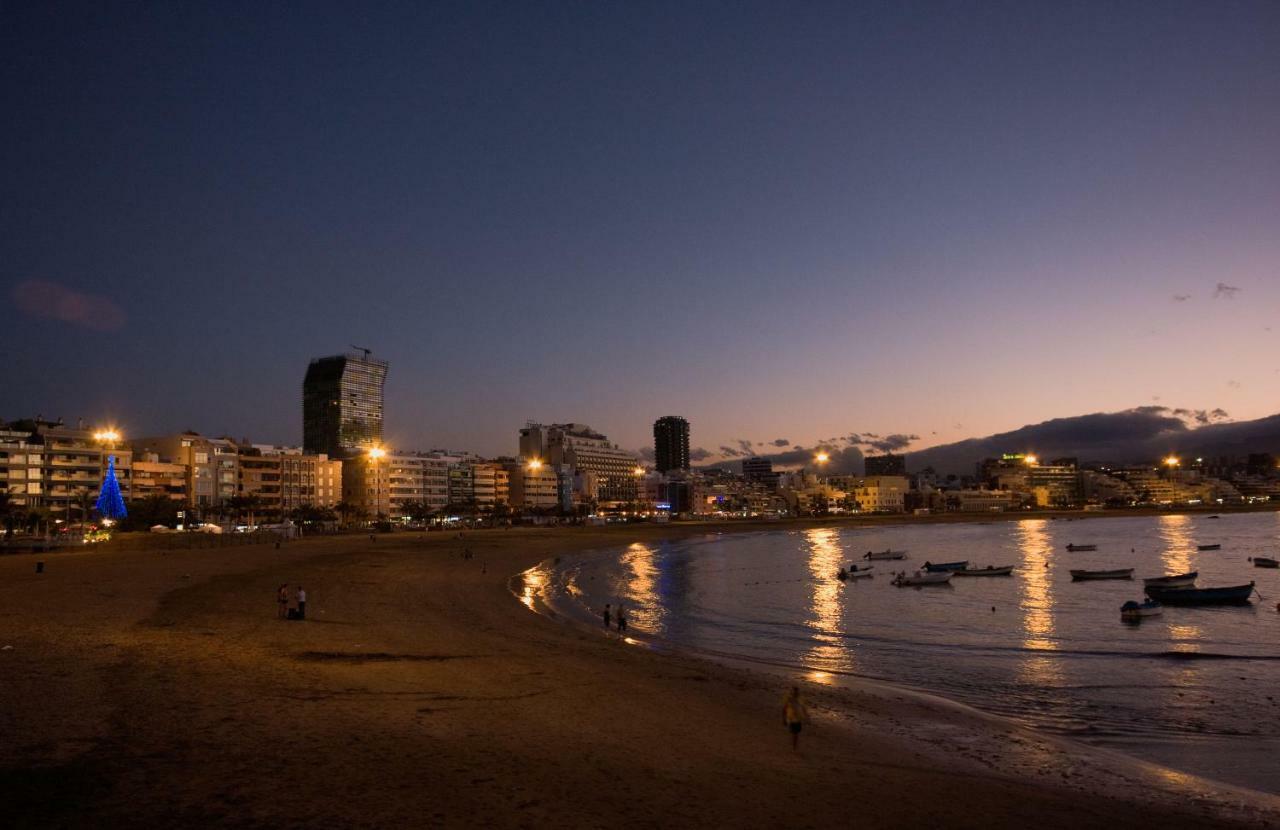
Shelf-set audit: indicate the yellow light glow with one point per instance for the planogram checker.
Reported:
(639, 471)
(106, 435)
(376, 453)
(1032, 460)
(822, 458)
(535, 463)
(1172, 461)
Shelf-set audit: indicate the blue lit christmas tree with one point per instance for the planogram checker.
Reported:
(109, 504)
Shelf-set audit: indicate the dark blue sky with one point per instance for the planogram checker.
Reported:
(780, 220)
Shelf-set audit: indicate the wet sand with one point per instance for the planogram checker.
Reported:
(149, 688)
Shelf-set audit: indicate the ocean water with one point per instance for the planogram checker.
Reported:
(1197, 689)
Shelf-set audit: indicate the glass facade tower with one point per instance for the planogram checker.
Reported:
(342, 404)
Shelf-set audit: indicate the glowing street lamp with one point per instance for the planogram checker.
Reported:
(1172, 461)
(638, 472)
(376, 452)
(535, 464)
(1031, 460)
(106, 436)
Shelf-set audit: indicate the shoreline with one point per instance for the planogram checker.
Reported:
(1096, 769)
(151, 687)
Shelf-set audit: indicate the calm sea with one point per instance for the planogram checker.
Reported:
(1197, 689)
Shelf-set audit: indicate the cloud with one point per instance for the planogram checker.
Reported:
(1181, 298)
(779, 442)
(1225, 292)
(40, 298)
(700, 454)
(647, 453)
(893, 443)
(884, 443)
(1234, 384)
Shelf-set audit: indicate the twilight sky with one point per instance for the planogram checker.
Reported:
(783, 221)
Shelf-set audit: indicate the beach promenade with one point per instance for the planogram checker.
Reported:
(159, 689)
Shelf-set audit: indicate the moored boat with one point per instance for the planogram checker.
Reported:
(939, 567)
(1265, 562)
(1118, 573)
(1073, 547)
(1133, 610)
(859, 574)
(885, 554)
(1176, 581)
(989, 570)
(1208, 547)
(1230, 595)
(921, 578)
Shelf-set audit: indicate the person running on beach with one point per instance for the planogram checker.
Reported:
(302, 603)
(608, 616)
(282, 601)
(622, 621)
(794, 715)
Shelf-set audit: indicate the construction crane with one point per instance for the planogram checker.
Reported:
(367, 352)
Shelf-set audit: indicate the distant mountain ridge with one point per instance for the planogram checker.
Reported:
(1128, 437)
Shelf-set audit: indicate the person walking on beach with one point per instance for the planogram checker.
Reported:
(302, 603)
(794, 715)
(608, 616)
(282, 601)
(622, 621)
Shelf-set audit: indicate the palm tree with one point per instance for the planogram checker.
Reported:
(7, 512)
(84, 500)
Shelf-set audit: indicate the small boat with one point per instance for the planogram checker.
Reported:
(1132, 610)
(938, 567)
(860, 573)
(886, 554)
(1208, 547)
(1177, 581)
(1265, 562)
(1232, 595)
(1215, 516)
(842, 575)
(1118, 573)
(990, 570)
(903, 580)
(1074, 548)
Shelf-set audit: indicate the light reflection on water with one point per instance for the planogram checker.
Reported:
(826, 604)
(1053, 653)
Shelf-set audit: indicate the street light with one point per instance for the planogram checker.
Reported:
(535, 463)
(376, 452)
(1172, 461)
(1031, 460)
(638, 471)
(106, 436)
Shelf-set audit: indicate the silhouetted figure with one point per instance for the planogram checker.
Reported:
(608, 616)
(302, 603)
(282, 601)
(622, 621)
(794, 715)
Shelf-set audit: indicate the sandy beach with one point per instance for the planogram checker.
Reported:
(154, 687)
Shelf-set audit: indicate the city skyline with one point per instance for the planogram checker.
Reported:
(829, 232)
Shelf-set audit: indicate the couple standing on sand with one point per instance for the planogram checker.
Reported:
(283, 611)
(609, 617)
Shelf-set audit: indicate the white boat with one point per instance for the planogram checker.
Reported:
(989, 570)
(859, 574)
(903, 580)
(885, 554)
